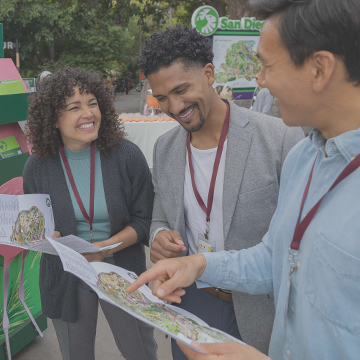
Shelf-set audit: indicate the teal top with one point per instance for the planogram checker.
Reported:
(79, 162)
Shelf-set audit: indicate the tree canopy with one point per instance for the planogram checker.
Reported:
(93, 34)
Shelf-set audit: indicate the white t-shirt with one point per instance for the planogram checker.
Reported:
(195, 217)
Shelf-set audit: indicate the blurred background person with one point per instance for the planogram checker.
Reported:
(262, 99)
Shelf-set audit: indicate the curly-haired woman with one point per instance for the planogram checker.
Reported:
(101, 190)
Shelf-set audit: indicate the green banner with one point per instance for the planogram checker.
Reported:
(16, 312)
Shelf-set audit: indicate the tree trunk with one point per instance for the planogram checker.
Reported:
(52, 52)
(238, 9)
(219, 5)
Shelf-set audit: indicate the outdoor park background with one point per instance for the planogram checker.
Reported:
(100, 35)
(105, 36)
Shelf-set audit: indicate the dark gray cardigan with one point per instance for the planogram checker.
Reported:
(129, 197)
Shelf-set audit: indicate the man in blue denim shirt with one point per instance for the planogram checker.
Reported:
(310, 52)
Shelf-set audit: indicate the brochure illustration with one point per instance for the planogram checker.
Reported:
(110, 283)
(27, 222)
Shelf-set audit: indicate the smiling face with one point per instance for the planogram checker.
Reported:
(184, 93)
(80, 121)
(291, 85)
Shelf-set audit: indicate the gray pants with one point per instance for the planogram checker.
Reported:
(215, 312)
(134, 339)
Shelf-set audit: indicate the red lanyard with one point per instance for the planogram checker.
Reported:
(89, 219)
(303, 225)
(207, 209)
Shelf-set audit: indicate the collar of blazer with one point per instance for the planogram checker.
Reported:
(239, 140)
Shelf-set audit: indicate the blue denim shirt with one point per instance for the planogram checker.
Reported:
(323, 318)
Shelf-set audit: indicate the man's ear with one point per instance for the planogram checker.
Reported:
(209, 72)
(323, 66)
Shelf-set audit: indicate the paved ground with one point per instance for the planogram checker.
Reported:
(47, 348)
(127, 103)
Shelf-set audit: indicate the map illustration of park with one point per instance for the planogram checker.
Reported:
(113, 285)
(110, 283)
(29, 228)
(241, 62)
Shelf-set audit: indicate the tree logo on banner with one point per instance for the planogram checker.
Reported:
(205, 19)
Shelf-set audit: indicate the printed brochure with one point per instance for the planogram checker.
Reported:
(27, 222)
(110, 283)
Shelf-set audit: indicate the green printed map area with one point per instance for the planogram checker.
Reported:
(29, 228)
(113, 285)
(240, 62)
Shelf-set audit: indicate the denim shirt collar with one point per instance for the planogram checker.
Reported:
(347, 144)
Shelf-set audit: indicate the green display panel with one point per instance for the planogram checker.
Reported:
(22, 335)
(13, 86)
(9, 147)
(16, 312)
(12, 167)
(17, 315)
(13, 108)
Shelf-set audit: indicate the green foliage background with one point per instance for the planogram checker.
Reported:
(91, 34)
(16, 312)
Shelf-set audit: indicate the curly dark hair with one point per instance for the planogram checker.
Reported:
(48, 102)
(180, 42)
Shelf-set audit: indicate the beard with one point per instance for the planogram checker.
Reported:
(198, 125)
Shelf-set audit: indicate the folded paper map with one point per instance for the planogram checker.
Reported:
(27, 221)
(110, 283)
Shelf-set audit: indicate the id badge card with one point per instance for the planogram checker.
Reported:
(205, 245)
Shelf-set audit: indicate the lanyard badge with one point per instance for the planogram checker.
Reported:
(205, 244)
(89, 218)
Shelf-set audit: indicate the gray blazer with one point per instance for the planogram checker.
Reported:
(257, 147)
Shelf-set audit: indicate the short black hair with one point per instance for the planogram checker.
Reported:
(178, 43)
(307, 26)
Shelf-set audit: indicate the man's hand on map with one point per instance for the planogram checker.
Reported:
(167, 244)
(170, 276)
(56, 235)
(222, 351)
(98, 256)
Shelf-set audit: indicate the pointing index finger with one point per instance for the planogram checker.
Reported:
(144, 278)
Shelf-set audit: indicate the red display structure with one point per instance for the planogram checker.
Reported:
(22, 305)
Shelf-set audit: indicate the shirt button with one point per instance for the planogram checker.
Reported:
(298, 264)
(292, 309)
(288, 352)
